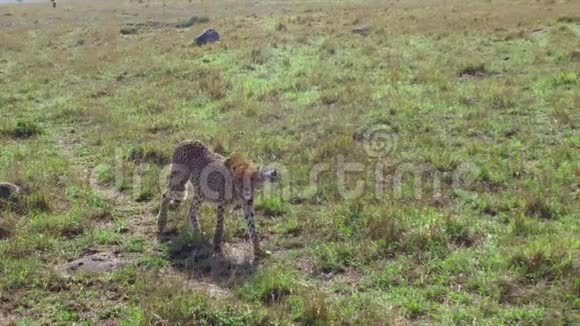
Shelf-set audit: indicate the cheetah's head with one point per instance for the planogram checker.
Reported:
(247, 178)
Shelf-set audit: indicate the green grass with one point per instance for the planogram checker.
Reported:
(476, 220)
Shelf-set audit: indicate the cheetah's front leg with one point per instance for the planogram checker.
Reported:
(175, 192)
(193, 215)
(249, 216)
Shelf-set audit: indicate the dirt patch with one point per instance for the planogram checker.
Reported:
(575, 56)
(146, 27)
(193, 20)
(307, 265)
(153, 25)
(102, 262)
(569, 19)
(347, 280)
(7, 319)
(514, 292)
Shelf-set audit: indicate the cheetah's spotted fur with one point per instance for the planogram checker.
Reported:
(215, 179)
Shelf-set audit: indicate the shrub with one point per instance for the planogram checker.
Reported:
(542, 262)
(37, 202)
(459, 232)
(23, 129)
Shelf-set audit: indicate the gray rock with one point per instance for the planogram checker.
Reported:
(208, 36)
(102, 262)
(129, 30)
(362, 31)
(8, 191)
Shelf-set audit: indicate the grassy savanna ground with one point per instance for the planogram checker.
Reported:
(493, 86)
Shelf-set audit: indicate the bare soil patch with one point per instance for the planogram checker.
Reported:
(102, 262)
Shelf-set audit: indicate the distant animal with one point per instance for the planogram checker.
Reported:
(8, 191)
(208, 36)
(224, 181)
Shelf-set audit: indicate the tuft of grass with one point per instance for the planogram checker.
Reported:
(178, 306)
(473, 70)
(153, 263)
(542, 261)
(7, 226)
(311, 308)
(148, 154)
(385, 229)
(539, 206)
(136, 244)
(565, 79)
(105, 173)
(272, 206)
(459, 232)
(335, 257)
(23, 130)
(212, 82)
(37, 202)
(271, 286)
(569, 19)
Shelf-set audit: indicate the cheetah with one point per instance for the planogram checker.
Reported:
(223, 181)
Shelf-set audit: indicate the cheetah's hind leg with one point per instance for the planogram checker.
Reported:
(219, 230)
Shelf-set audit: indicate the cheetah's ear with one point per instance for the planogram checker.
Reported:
(228, 163)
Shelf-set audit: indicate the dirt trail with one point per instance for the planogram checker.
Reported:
(213, 277)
